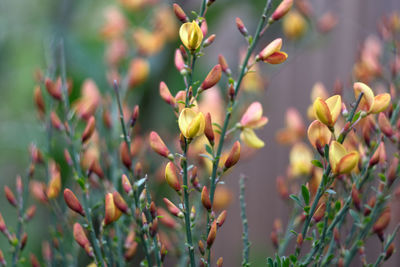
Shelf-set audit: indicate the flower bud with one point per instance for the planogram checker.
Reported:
(384, 125)
(319, 135)
(179, 13)
(212, 78)
(54, 186)
(378, 156)
(355, 195)
(191, 123)
(157, 144)
(221, 218)
(138, 72)
(382, 222)
(282, 187)
(10, 196)
(126, 185)
(73, 202)
(328, 111)
(224, 65)
(299, 240)
(81, 238)
(193, 214)
(39, 101)
(282, 9)
(319, 213)
(233, 156)
(201, 247)
(208, 129)
(274, 239)
(209, 40)
(120, 203)
(381, 103)
(205, 198)
(371, 203)
(53, 88)
(67, 157)
(112, 212)
(2, 260)
(107, 120)
(24, 239)
(131, 251)
(242, 29)
(3, 226)
(30, 213)
(174, 210)
(89, 129)
(392, 171)
(166, 94)
(166, 218)
(171, 177)
(212, 234)
(191, 35)
(389, 251)
(220, 261)
(135, 116)
(204, 27)
(19, 186)
(179, 64)
(34, 261)
(55, 121)
(46, 251)
(125, 155)
(342, 161)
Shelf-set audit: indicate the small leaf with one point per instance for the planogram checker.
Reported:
(355, 216)
(81, 183)
(297, 200)
(209, 150)
(317, 163)
(306, 194)
(270, 262)
(355, 118)
(293, 258)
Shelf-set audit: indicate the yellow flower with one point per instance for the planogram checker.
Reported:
(328, 111)
(294, 25)
(369, 102)
(191, 35)
(300, 159)
(342, 161)
(252, 119)
(319, 135)
(249, 137)
(271, 53)
(191, 123)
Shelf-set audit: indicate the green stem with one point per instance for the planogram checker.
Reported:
(388, 243)
(245, 236)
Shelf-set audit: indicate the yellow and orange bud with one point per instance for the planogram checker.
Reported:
(282, 9)
(120, 203)
(320, 212)
(54, 186)
(179, 13)
(112, 212)
(39, 100)
(55, 121)
(369, 102)
(10, 196)
(166, 94)
(3, 226)
(191, 35)
(342, 161)
(209, 40)
(138, 72)
(201, 247)
(224, 65)
(191, 123)
(174, 210)
(233, 156)
(389, 251)
(328, 111)
(272, 53)
(126, 185)
(171, 177)
(220, 261)
(383, 221)
(371, 203)
(221, 218)
(158, 145)
(384, 125)
(392, 171)
(73, 202)
(205, 198)
(89, 129)
(208, 129)
(54, 89)
(212, 234)
(81, 238)
(125, 155)
(355, 195)
(294, 25)
(319, 135)
(212, 78)
(242, 29)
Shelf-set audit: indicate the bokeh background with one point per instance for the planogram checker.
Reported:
(28, 30)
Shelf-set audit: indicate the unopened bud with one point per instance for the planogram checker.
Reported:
(201, 247)
(180, 14)
(56, 122)
(299, 239)
(371, 204)
(166, 94)
(171, 177)
(81, 238)
(153, 210)
(126, 185)
(205, 198)
(231, 92)
(112, 212)
(3, 226)
(19, 185)
(319, 213)
(53, 89)
(233, 156)
(392, 171)
(282, 9)
(389, 252)
(208, 129)
(89, 129)
(67, 157)
(382, 222)
(34, 261)
(212, 78)
(2, 260)
(54, 186)
(30, 213)
(158, 145)
(39, 101)
(336, 235)
(220, 261)
(209, 40)
(355, 194)
(138, 169)
(24, 239)
(135, 116)
(72, 202)
(212, 234)
(282, 187)
(10, 196)
(174, 210)
(221, 218)
(125, 155)
(120, 202)
(46, 252)
(193, 214)
(384, 124)
(242, 29)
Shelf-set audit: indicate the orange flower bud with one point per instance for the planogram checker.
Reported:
(131, 251)
(392, 171)
(157, 144)
(242, 29)
(212, 234)
(73, 202)
(3, 226)
(212, 78)
(10, 196)
(221, 218)
(125, 155)
(126, 185)
(274, 239)
(191, 123)
(327, 22)
(319, 135)
(30, 213)
(138, 72)
(135, 116)
(371, 204)
(2, 260)
(54, 89)
(120, 202)
(191, 35)
(208, 129)
(166, 94)
(272, 54)
(107, 120)
(379, 155)
(328, 111)
(220, 261)
(89, 129)
(171, 177)
(205, 198)
(294, 25)
(224, 65)
(34, 261)
(282, 9)
(179, 63)
(233, 156)
(319, 213)
(342, 161)
(384, 125)
(299, 240)
(179, 13)
(81, 238)
(112, 212)
(39, 101)
(201, 247)
(55, 121)
(389, 251)
(355, 194)
(24, 239)
(166, 219)
(209, 40)
(174, 210)
(54, 186)
(383, 221)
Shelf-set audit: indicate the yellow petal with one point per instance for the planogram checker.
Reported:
(322, 112)
(347, 163)
(249, 137)
(367, 99)
(381, 102)
(191, 35)
(300, 158)
(271, 48)
(191, 123)
(318, 134)
(336, 153)
(335, 106)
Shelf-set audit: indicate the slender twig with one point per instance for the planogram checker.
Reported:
(245, 235)
(387, 245)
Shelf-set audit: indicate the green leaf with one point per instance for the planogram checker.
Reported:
(338, 205)
(355, 216)
(293, 258)
(270, 262)
(209, 149)
(297, 200)
(306, 194)
(317, 163)
(355, 118)
(81, 183)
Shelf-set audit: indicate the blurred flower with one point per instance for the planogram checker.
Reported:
(282, 9)
(115, 23)
(112, 212)
(138, 72)
(319, 135)
(148, 43)
(300, 158)
(89, 101)
(252, 119)
(272, 53)
(294, 25)
(294, 130)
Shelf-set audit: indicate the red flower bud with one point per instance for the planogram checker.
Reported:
(30, 213)
(201, 247)
(125, 155)
(233, 156)
(81, 238)
(180, 14)
(3, 226)
(212, 234)
(73, 202)
(205, 198)
(221, 218)
(158, 145)
(166, 94)
(34, 261)
(54, 89)
(10, 196)
(89, 129)
(135, 116)
(208, 129)
(282, 9)
(55, 121)
(224, 65)
(39, 101)
(356, 197)
(212, 78)
(242, 29)
(120, 202)
(126, 185)
(174, 210)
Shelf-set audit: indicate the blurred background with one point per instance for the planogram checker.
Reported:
(29, 29)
